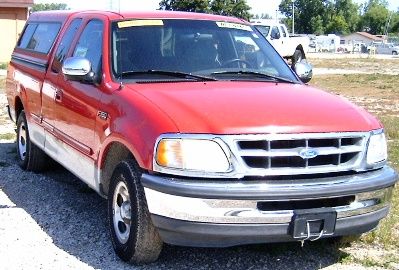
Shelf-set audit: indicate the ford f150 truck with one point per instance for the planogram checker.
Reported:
(195, 130)
(293, 47)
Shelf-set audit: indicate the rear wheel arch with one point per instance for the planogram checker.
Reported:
(19, 107)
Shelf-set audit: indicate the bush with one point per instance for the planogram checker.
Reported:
(3, 65)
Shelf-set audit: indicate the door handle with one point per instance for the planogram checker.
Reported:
(58, 95)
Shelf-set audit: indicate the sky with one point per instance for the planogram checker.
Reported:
(257, 6)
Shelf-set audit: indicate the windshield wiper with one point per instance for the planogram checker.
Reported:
(255, 74)
(177, 74)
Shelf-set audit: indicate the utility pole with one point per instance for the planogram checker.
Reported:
(387, 25)
(276, 15)
(293, 17)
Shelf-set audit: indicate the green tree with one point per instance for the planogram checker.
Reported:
(305, 10)
(394, 23)
(348, 11)
(262, 16)
(323, 16)
(185, 5)
(241, 10)
(337, 25)
(317, 25)
(237, 8)
(51, 6)
(375, 17)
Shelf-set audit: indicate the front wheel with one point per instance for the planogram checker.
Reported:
(394, 53)
(134, 237)
(30, 157)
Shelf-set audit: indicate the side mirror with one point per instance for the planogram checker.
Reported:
(77, 69)
(304, 70)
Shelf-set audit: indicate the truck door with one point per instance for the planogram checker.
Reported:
(50, 85)
(76, 103)
(285, 42)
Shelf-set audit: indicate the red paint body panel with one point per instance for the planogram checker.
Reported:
(134, 121)
(255, 107)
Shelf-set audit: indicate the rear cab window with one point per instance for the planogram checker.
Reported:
(39, 36)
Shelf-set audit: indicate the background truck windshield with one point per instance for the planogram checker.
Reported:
(192, 46)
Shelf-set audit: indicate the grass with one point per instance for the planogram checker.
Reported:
(360, 85)
(379, 94)
(2, 84)
(8, 136)
(3, 65)
(385, 262)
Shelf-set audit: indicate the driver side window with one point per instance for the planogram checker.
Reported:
(89, 45)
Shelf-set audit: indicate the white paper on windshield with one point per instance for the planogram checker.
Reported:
(234, 26)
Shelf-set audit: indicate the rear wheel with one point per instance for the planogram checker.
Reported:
(134, 237)
(30, 157)
(394, 53)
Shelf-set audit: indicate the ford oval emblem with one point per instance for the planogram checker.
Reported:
(308, 153)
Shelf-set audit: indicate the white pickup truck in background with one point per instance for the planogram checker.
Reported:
(288, 46)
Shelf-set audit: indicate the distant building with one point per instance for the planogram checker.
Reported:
(13, 15)
(360, 37)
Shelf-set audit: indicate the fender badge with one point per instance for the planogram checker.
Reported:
(102, 115)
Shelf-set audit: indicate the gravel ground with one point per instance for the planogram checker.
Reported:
(54, 221)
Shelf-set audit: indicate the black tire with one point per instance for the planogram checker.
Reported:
(394, 53)
(297, 57)
(134, 237)
(30, 157)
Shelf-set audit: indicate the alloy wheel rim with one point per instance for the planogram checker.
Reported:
(121, 211)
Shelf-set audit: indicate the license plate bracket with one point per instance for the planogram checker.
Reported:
(313, 223)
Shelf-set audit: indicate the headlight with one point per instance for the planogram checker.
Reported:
(192, 154)
(377, 149)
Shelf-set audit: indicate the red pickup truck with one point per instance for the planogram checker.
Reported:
(195, 130)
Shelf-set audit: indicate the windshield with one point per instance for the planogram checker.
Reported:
(154, 49)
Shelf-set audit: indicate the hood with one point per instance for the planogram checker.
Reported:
(226, 107)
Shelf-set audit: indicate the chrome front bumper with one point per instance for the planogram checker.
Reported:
(246, 211)
(224, 213)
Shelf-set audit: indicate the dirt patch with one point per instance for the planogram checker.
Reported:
(368, 65)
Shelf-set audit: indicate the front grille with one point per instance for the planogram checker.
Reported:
(301, 153)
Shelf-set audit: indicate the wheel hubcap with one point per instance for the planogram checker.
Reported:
(121, 209)
(22, 141)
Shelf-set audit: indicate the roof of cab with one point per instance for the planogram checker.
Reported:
(62, 15)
